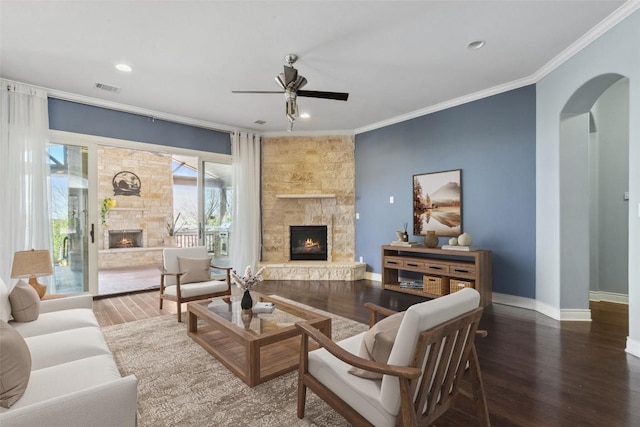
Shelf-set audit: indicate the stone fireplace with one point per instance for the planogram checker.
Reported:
(308, 242)
(309, 181)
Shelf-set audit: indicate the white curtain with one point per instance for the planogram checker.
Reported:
(24, 193)
(245, 239)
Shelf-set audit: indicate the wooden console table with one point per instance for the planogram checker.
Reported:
(463, 265)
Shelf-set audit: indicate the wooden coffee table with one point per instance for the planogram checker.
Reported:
(255, 347)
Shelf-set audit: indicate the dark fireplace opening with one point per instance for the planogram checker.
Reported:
(308, 243)
(119, 239)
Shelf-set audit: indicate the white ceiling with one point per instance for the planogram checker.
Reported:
(397, 59)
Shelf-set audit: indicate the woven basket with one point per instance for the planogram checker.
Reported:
(436, 285)
(456, 285)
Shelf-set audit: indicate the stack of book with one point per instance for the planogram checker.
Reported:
(264, 307)
(405, 244)
(411, 284)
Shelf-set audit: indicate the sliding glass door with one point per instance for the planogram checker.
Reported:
(70, 226)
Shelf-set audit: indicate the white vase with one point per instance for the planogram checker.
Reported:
(453, 241)
(465, 239)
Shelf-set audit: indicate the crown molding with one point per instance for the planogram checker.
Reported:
(280, 134)
(95, 102)
(589, 37)
(515, 84)
(601, 28)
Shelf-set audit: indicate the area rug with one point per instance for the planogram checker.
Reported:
(181, 384)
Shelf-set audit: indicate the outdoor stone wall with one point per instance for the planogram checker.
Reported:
(148, 212)
(308, 165)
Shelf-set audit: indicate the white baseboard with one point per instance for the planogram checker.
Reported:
(543, 308)
(633, 347)
(377, 277)
(608, 297)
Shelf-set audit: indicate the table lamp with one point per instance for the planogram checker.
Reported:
(32, 264)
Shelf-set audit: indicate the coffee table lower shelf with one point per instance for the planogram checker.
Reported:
(254, 358)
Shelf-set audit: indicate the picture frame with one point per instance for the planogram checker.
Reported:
(437, 203)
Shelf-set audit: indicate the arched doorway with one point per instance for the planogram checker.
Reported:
(594, 180)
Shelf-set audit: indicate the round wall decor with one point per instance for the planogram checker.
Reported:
(126, 183)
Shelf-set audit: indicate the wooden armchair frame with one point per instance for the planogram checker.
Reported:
(179, 299)
(437, 389)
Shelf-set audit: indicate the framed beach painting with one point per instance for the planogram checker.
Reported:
(437, 203)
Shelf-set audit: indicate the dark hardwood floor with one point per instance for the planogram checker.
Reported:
(536, 371)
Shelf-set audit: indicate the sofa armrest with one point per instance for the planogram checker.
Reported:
(107, 405)
(84, 300)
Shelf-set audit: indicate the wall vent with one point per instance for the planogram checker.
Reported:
(107, 88)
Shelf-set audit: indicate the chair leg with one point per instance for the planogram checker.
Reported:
(161, 299)
(478, 389)
(302, 397)
(179, 311)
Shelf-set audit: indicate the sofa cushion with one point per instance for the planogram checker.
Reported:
(15, 365)
(66, 378)
(361, 394)
(66, 346)
(25, 302)
(194, 269)
(56, 321)
(5, 305)
(377, 344)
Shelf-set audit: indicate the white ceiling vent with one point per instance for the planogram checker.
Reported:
(107, 88)
(259, 122)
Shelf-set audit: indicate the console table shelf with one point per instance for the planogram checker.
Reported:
(472, 266)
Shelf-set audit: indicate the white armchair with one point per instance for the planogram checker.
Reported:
(431, 353)
(186, 276)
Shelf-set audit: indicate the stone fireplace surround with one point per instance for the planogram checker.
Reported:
(309, 181)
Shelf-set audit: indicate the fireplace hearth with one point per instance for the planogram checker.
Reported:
(308, 243)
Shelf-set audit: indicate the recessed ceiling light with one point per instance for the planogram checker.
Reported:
(124, 67)
(304, 115)
(475, 44)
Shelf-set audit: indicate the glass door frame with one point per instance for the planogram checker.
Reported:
(92, 142)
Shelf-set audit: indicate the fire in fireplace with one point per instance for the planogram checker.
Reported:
(308, 242)
(119, 239)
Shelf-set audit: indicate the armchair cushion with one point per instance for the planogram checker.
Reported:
(194, 269)
(377, 343)
(25, 302)
(195, 289)
(15, 365)
(361, 394)
(421, 317)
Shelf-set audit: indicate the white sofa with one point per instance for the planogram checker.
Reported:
(74, 379)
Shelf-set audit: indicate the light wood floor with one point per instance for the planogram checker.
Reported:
(536, 371)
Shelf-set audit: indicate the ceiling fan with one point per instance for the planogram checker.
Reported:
(291, 83)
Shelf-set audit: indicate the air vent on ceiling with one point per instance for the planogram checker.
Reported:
(107, 88)
(259, 122)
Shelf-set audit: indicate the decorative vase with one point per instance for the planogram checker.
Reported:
(402, 236)
(453, 241)
(431, 239)
(246, 316)
(246, 302)
(465, 239)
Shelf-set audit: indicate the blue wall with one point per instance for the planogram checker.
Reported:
(493, 141)
(79, 118)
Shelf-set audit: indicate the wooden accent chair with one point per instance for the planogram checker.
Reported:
(186, 276)
(432, 352)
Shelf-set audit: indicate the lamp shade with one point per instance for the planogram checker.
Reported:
(33, 263)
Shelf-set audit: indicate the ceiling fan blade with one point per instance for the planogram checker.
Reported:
(257, 91)
(290, 75)
(338, 96)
